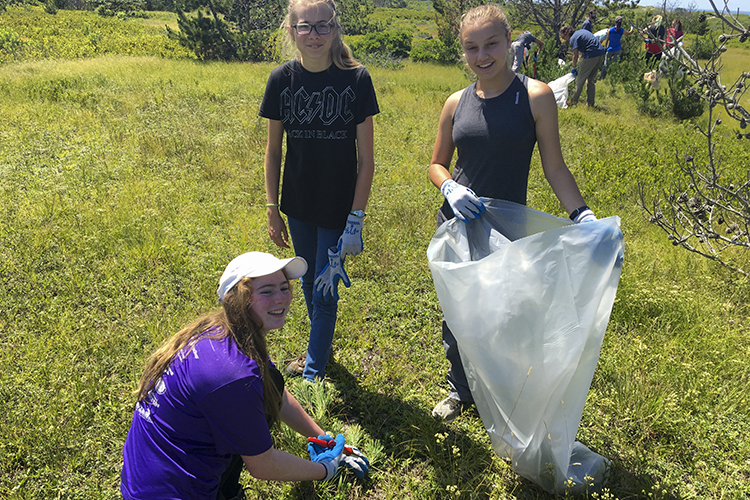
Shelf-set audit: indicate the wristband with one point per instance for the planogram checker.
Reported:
(358, 213)
(575, 213)
(273, 204)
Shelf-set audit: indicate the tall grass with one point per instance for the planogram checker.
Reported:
(126, 184)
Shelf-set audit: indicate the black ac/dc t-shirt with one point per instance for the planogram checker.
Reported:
(320, 113)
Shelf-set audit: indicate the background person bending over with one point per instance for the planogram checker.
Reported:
(587, 48)
(494, 125)
(210, 395)
(522, 41)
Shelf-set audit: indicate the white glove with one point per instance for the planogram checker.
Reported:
(357, 462)
(326, 284)
(350, 241)
(583, 214)
(463, 201)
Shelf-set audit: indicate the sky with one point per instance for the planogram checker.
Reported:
(743, 5)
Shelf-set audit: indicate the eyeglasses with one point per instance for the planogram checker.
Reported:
(306, 29)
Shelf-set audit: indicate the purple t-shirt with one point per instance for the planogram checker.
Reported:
(207, 406)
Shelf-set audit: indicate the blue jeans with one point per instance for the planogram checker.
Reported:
(312, 243)
(457, 382)
(611, 58)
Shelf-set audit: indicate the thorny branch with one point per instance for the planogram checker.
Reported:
(700, 212)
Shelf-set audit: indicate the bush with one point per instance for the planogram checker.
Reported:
(202, 35)
(433, 50)
(547, 67)
(391, 43)
(108, 8)
(685, 103)
(702, 48)
(29, 33)
(10, 42)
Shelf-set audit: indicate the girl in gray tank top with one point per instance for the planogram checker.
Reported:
(494, 124)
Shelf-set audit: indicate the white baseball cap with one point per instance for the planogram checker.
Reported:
(256, 264)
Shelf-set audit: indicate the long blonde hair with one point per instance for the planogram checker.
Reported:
(341, 54)
(235, 320)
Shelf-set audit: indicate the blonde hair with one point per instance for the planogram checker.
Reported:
(341, 54)
(482, 13)
(234, 320)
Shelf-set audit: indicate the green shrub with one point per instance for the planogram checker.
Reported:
(9, 40)
(547, 67)
(702, 47)
(29, 33)
(107, 8)
(396, 43)
(685, 104)
(50, 7)
(433, 50)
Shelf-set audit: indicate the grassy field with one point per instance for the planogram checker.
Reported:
(127, 183)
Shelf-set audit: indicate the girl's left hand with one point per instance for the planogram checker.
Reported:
(350, 242)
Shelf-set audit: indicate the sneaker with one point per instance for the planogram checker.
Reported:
(449, 408)
(296, 367)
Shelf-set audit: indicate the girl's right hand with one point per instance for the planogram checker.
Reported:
(277, 228)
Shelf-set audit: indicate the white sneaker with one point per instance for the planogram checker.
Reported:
(449, 408)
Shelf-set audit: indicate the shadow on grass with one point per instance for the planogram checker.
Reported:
(414, 441)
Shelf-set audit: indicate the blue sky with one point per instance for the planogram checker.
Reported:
(743, 5)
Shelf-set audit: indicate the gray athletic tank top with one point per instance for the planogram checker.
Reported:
(494, 139)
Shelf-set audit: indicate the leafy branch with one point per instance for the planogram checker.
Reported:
(702, 211)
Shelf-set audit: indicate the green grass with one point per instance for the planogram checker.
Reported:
(127, 183)
(28, 33)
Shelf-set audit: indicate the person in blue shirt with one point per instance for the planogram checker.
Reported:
(589, 50)
(613, 45)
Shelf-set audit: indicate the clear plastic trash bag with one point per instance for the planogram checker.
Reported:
(528, 297)
(601, 35)
(560, 89)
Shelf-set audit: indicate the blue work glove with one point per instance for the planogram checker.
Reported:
(330, 457)
(326, 284)
(357, 462)
(350, 241)
(585, 216)
(463, 201)
(574, 72)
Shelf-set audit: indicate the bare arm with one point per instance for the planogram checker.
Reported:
(442, 152)
(293, 415)
(276, 226)
(277, 465)
(282, 466)
(575, 62)
(366, 163)
(544, 109)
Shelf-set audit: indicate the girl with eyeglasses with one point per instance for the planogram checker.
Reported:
(324, 101)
